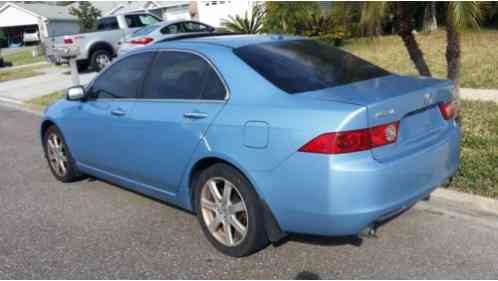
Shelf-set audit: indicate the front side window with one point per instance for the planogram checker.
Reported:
(304, 65)
(140, 20)
(122, 79)
(182, 75)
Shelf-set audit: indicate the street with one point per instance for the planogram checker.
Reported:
(91, 229)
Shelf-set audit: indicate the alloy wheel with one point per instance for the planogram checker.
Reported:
(102, 60)
(57, 155)
(224, 211)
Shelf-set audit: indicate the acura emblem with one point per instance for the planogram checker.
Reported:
(428, 99)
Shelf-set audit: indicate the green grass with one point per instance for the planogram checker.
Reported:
(20, 73)
(47, 99)
(22, 57)
(478, 172)
(479, 55)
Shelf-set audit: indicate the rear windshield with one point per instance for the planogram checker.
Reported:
(146, 30)
(304, 65)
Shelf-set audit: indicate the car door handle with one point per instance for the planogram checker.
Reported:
(195, 115)
(118, 112)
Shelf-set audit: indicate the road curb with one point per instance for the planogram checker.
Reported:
(468, 201)
(19, 105)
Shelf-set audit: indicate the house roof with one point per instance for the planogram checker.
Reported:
(50, 12)
(110, 7)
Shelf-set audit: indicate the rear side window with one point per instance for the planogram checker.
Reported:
(304, 65)
(108, 24)
(146, 30)
(122, 79)
(138, 20)
(171, 29)
(182, 75)
(195, 27)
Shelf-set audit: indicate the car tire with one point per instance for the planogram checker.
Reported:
(242, 211)
(82, 65)
(59, 158)
(100, 59)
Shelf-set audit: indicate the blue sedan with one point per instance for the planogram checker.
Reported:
(259, 136)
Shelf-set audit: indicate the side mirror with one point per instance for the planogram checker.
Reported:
(75, 93)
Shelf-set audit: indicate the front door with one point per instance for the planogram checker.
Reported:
(182, 95)
(107, 114)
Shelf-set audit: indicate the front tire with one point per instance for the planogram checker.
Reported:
(100, 59)
(229, 211)
(60, 161)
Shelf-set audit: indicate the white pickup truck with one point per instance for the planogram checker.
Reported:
(97, 49)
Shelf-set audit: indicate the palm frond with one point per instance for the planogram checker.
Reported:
(465, 14)
(247, 24)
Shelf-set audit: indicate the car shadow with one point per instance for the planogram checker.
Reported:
(321, 240)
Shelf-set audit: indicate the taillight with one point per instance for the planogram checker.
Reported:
(142, 41)
(353, 141)
(449, 110)
(68, 40)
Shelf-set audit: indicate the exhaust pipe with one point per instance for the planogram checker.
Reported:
(369, 231)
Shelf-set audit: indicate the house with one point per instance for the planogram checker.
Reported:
(49, 20)
(167, 10)
(215, 12)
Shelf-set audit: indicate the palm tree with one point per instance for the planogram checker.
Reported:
(248, 25)
(459, 15)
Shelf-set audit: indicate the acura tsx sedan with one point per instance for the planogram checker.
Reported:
(259, 136)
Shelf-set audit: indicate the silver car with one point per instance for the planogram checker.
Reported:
(159, 31)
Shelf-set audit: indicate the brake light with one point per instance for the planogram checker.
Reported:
(449, 110)
(68, 40)
(142, 41)
(353, 141)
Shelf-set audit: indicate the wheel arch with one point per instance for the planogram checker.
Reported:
(44, 126)
(100, 46)
(273, 230)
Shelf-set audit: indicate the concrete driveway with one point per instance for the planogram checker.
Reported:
(52, 79)
(92, 229)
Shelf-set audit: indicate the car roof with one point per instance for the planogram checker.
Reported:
(233, 41)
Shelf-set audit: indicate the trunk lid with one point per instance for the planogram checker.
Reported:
(413, 101)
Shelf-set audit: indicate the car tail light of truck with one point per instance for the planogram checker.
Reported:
(142, 41)
(68, 40)
(353, 141)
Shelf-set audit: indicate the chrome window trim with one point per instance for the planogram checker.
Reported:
(202, 56)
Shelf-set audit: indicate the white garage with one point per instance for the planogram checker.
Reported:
(49, 20)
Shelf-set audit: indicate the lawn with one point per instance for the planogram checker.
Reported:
(47, 100)
(22, 57)
(479, 155)
(479, 55)
(20, 73)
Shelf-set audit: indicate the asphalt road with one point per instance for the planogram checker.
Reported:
(91, 229)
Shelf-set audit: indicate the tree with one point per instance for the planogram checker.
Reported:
(87, 15)
(287, 17)
(458, 14)
(248, 25)
(430, 20)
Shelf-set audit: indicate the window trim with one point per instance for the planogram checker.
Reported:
(139, 96)
(106, 69)
(208, 61)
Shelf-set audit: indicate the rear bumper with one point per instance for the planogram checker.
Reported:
(343, 194)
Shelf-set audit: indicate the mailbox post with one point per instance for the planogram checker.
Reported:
(70, 53)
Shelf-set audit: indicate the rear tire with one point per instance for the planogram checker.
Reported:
(59, 158)
(241, 214)
(100, 59)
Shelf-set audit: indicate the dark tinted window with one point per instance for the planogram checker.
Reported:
(123, 78)
(108, 24)
(180, 75)
(195, 27)
(305, 65)
(172, 29)
(140, 20)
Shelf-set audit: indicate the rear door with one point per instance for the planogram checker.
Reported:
(182, 95)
